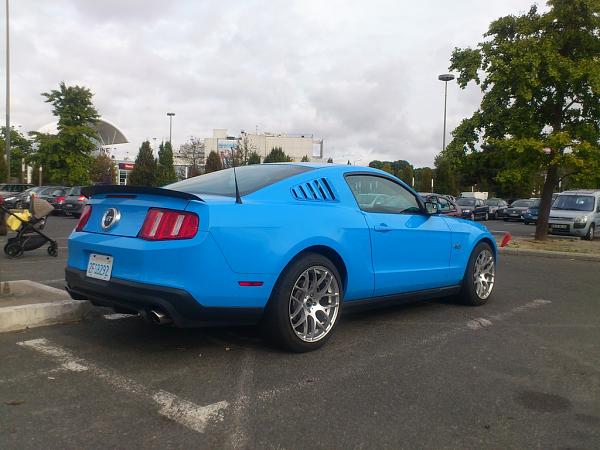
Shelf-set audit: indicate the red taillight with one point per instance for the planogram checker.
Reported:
(60, 199)
(81, 198)
(83, 219)
(163, 224)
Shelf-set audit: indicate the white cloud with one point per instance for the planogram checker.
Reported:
(362, 75)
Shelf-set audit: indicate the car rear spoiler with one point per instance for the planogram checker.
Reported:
(89, 191)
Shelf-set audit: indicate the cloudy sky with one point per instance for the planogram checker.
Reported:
(362, 75)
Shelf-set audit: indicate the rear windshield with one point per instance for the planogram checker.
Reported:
(574, 202)
(466, 201)
(492, 202)
(75, 190)
(249, 178)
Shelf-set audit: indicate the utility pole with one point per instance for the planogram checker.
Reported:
(7, 96)
(170, 114)
(445, 78)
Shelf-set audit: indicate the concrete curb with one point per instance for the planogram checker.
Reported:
(549, 254)
(20, 317)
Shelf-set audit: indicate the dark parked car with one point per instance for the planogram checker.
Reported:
(74, 202)
(446, 206)
(57, 198)
(19, 200)
(516, 210)
(497, 207)
(8, 190)
(531, 215)
(473, 208)
(43, 192)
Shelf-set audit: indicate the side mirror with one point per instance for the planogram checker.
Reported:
(431, 208)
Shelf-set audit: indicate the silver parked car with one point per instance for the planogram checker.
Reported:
(576, 213)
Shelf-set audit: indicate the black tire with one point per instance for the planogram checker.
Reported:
(526, 222)
(277, 324)
(13, 250)
(590, 234)
(52, 250)
(468, 294)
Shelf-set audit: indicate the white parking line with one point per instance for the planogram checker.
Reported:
(179, 410)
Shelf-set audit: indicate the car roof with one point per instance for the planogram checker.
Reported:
(581, 192)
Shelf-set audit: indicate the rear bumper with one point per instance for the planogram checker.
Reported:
(178, 304)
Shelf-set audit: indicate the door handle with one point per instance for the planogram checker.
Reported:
(382, 227)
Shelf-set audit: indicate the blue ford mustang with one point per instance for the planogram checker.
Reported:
(286, 245)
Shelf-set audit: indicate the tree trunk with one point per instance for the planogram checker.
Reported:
(541, 230)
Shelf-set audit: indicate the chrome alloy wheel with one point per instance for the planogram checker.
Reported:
(484, 273)
(314, 304)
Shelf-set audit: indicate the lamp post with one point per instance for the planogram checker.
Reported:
(7, 97)
(445, 78)
(170, 114)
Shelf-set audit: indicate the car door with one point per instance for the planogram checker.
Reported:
(410, 249)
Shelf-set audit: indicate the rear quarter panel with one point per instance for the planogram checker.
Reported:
(264, 233)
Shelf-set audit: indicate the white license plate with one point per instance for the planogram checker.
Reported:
(100, 267)
(559, 227)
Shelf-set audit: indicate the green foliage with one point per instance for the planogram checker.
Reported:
(540, 78)
(145, 171)
(103, 170)
(305, 159)
(423, 177)
(67, 157)
(276, 155)
(253, 158)
(213, 163)
(401, 169)
(242, 151)
(20, 149)
(166, 171)
(192, 153)
(3, 168)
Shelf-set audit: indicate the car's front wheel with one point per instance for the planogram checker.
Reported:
(590, 234)
(306, 304)
(480, 276)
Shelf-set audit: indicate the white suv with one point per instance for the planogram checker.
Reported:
(576, 213)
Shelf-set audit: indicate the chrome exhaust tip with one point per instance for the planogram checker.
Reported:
(159, 317)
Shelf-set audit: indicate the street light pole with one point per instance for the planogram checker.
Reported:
(445, 78)
(7, 96)
(170, 114)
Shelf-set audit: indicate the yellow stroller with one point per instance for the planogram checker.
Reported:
(29, 225)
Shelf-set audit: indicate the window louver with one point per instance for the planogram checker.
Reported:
(315, 190)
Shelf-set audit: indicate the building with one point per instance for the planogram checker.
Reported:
(296, 146)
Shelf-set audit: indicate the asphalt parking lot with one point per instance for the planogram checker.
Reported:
(522, 371)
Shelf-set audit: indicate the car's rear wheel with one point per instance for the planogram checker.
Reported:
(590, 234)
(480, 276)
(305, 305)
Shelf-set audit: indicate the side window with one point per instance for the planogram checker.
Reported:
(380, 195)
(598, 201)
(444, 204)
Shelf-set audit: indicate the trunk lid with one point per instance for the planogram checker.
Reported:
(128, 206)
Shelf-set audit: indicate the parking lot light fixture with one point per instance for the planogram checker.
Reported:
(445, 78)
(170, 114)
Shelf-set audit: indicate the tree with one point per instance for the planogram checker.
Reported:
(103, 170)
(423, 177)
(20, 149)
(145, 171)
(166, 172)
(540, 78)
(241, 151)
(192, 153)
(276, 155)
(67, 157)
(387, 167)
(253, 158)
(213, 162)
(305, 159)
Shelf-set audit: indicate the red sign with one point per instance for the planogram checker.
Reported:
(126, 166)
